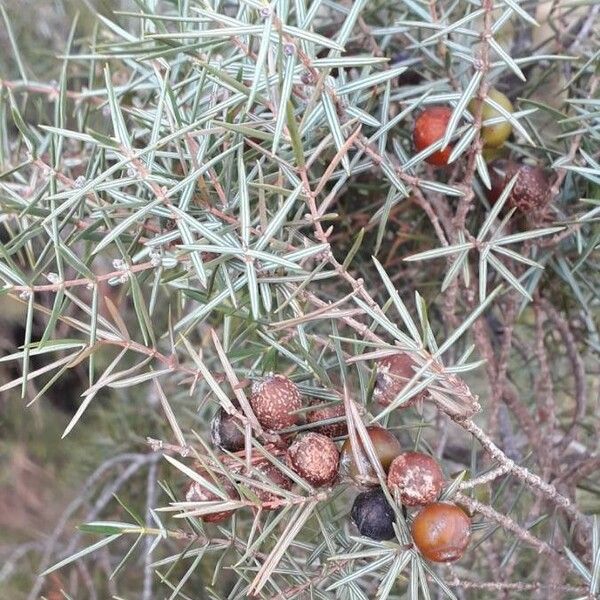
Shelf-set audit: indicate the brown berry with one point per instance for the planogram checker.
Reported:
(276, 401)
(196, 492)
(314, 457)
(325, 413)
(442, 531)
(271, 474)
(416, 477)
(430, 127)
(531, 190)
(227, 432)
(393, 373)
(386, 447)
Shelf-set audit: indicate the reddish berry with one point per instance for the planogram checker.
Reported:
(227, 432)
(373, 515)
(386, 447)
(442, 532)
(416, 477)
(314, 457)
(276, 401)
(531, 190)
(325, 413)
(430, 127)
(270, 473)
(393, 373)
(196, 492)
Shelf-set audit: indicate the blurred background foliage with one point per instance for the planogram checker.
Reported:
(40, 474)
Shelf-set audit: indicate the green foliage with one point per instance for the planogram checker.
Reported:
(211, 191)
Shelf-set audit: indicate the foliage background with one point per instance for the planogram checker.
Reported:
(41, 474)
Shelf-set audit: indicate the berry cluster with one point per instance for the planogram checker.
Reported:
(440, 530)
(531, 191)
(277, 405)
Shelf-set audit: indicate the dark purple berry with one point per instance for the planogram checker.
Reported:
(373, 515)
(227, 432)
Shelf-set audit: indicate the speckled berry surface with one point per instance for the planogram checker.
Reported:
(386, 447)
(331, 430)
(442, 532)
(416, 477)
(373, 516)
(275, 401)
(393, 373)
(226, 432)
(531, 191)
(314, 457)
(430, 127)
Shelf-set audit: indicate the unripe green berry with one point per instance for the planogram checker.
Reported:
(493, 136)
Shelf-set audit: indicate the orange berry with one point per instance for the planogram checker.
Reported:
(442, 532)
(430, 127)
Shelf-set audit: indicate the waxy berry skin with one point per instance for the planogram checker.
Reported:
(386, 447)
(331, 430)
(276, 401)
(531, 190)
(373, 516)
(416, 477)
(430, 127)
(393, 373)
(314, 457)
(493, 136)
(227, 432)
(442, 532)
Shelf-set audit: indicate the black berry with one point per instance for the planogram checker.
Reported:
(227, 432)
(373, 515)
